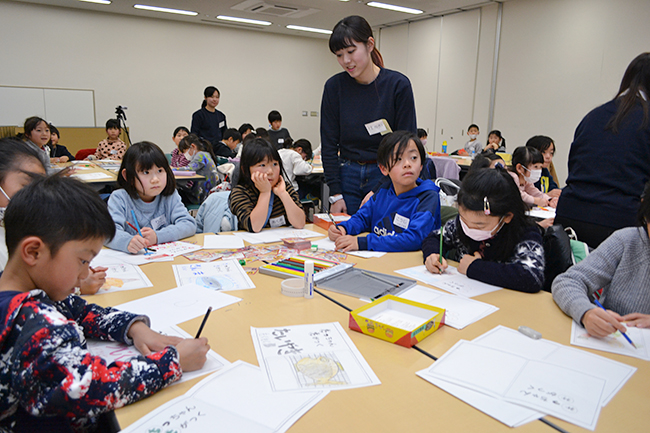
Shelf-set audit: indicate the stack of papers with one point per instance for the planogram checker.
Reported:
(236, 400)
(516, 379)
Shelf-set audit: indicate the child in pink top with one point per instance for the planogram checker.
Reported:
(526, 169)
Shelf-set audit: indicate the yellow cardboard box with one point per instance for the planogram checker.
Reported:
(397, 320)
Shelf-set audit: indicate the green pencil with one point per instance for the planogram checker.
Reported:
(441, 231)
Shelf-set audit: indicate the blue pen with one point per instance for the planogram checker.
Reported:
(624, 335)
(137, 226)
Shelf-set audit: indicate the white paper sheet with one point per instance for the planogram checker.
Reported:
(124, 276)
(175, 248)
(113, 257)
(276, 235)
(324, 244)
(318, 356)
(460, 312)
(366, 254)
(614, 343)
(178, 305)
(92, 176)
(222, 242)
(567, 394)
(222, 275)
(234, 399)
(451, 280)
(328, 245)
(113, 351)
(541, 212)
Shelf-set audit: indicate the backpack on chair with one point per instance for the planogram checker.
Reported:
(557, 253)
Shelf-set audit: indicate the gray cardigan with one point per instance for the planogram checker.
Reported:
(620, 265)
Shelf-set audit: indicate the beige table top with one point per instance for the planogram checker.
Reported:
(403, 402)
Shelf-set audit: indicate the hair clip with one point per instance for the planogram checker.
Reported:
(486, 206)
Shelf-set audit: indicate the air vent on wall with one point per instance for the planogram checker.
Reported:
(274, 9)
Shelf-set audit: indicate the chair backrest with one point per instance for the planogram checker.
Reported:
(83, 153)
(448, 191)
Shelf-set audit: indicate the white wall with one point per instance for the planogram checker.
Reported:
(158, 69)
(558, 60)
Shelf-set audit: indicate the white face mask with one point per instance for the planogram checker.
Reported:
(535, 175)
(473, 136)
(2, 209)
(188, 155)
(481, 235)
(424, 141)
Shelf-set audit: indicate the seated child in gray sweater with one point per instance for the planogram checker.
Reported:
(621, 267)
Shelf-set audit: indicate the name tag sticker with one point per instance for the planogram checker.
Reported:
(380, 126)
(277, 222)
(401, 221)
(159, 222)
(222, 124)
(280, 140)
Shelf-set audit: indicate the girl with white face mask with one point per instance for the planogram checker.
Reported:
(495, 241)
(526, 169)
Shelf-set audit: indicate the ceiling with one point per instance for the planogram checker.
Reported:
(323, 14)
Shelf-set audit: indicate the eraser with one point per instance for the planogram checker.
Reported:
(529, 332)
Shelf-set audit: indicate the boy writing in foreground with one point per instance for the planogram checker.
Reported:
(55, 226)
(403, 212)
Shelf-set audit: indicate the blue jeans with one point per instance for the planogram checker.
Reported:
(357, 180)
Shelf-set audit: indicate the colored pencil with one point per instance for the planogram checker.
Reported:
(137, 227)
(205, 319)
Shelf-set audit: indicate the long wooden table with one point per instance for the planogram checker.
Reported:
(403, 402)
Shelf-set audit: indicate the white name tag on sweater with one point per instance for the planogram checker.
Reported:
(159, 222)
(277, 222)
(380, 126)
(222, 124)
(401, 221)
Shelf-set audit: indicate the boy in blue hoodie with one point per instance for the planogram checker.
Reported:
(50, 382)
(403, 212)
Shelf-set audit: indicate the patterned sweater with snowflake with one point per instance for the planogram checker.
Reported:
(523, 271)
(47, 371)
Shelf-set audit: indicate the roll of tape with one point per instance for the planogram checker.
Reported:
(293, 287)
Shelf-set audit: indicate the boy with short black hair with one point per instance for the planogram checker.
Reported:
(278, 135)
(111, 147)
(403, 212)
(58, 153)
(473, 146)
(55, 227)
(294, 160)
(229, 145)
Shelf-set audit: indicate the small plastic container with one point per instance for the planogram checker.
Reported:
(293, 287)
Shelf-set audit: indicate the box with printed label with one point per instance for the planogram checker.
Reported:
(397, 320)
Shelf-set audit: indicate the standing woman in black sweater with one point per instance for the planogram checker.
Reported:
(609, 161)
(355, 105)
(208, 122)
